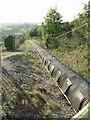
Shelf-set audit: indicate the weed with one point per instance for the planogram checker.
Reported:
(53, 104)
(47, 111)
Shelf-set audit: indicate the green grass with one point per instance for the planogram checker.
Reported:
(75, 59)
(8, 54)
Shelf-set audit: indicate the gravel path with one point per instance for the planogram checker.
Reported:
(30, 92)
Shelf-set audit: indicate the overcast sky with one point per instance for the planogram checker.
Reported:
(35, 10)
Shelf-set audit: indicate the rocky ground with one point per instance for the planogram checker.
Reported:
(29, 91)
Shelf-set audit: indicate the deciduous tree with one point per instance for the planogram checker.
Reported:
(52, 26)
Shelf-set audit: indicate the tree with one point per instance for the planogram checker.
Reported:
(39, 30)
(66, 27)
(10, 42)
(52, 26)
(80, 28)
(33, 32)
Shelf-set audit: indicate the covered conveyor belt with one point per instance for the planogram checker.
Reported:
(73, 86)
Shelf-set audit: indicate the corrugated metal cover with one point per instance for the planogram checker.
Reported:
(58, 74)
(66, 85)
(44, 60)
(83, 114)
(77, 99)
(51, 68)
(47, 63)
(54, 72)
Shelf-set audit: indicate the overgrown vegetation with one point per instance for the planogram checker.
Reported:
(66, 40)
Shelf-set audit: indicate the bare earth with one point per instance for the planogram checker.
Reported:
(29, 91)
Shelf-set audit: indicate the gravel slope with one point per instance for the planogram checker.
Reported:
(30, 92)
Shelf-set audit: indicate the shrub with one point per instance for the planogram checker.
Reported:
(9, 42)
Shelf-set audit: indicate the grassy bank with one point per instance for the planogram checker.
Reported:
(75, 59)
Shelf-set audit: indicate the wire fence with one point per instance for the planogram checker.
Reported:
(73, 49)
(71, 39)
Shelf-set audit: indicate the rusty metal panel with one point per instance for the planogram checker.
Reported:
(44, 60)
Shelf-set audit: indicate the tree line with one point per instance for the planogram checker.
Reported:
(54, 26)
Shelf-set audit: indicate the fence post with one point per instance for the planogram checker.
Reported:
(89, 40)
(1, 44)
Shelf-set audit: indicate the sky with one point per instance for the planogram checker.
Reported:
(22, 11)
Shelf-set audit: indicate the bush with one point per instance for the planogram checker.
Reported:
(9, 42)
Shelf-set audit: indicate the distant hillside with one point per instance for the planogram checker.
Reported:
(12, 28)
